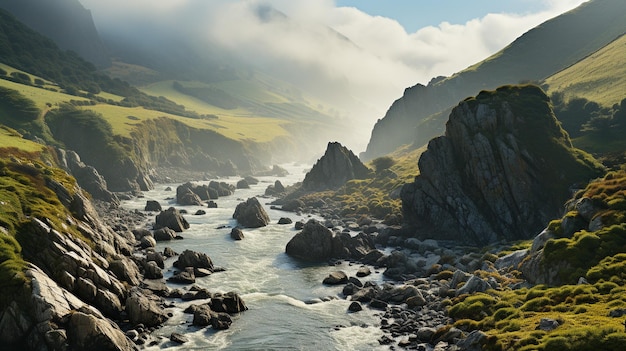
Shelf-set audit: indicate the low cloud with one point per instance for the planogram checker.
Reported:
(337, 51)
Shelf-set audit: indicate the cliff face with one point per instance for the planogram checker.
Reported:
(554, 45)
(66, 22)
(58, 290)
(334, 169)
(502, 170)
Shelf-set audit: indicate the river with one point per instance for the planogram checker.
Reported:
(274, 286)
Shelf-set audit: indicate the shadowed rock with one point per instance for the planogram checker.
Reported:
(334, 169)
(250, 214)
(502, 170)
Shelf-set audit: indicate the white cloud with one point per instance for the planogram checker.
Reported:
(379, 63)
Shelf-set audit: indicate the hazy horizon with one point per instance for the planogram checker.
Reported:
(365, 60)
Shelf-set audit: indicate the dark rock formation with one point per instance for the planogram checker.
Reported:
(194, 259)
(172, 219)
(164, 234)
(86, 176)
(334, 169)
(243, 184)
(236, 234)
(144, 309)
(502, 170)
(250, 214)
(277, 189)
(153, 206)
(317, 243)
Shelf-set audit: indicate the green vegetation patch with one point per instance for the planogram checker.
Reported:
(597, 254)
(378, 196)
(24, 195)
(511, 317)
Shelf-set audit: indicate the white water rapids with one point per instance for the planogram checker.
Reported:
(273, 285)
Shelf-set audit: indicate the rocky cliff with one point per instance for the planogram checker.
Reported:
(502, 170)
(417, 116)
(334, 169)
(57, 286)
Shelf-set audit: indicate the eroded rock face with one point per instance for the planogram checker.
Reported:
(48, 317)
(317, 243)
(250, 214)
(502, 170)
(334, 169)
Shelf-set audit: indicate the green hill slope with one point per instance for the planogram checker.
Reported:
(600, 77)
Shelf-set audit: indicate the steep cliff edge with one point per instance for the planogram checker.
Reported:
(502, 170)
(544, 50)
(57, 286)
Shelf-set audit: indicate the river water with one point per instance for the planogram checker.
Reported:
(274, 286)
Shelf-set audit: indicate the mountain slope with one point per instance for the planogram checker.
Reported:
(600, 77)
(542, 51)
(66, 22)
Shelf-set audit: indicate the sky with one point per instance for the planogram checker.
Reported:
(369, 50)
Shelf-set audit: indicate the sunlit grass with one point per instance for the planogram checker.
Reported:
(12, 139)
(601, 77)
(40, 96)
(124, 119)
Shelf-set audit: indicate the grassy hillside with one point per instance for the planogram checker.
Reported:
(600, 77)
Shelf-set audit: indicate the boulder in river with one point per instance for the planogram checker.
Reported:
(318, 243)
(171, 218)
(251, 214)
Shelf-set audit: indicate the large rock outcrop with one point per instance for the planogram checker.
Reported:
(317, 243)
(334, 169)
(250, 214)
(502, 170)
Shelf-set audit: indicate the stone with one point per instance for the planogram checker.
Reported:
(243, 184)
(363, 272)
(284, 220)
(186, 276)
(152, 270)
(88, 332)
(336, 278)
(334, 169)
(211, 204)
(143, 309)
(294, 205)
(157, 257)
(171, 218)
(486, 180)
(199, 213)
(548, 324)
(229, 302)
(251, 214)
(317, 243)
(236, 234)
(355, 307)
(473, 285)
(147, 242)
(178, 338)
(153, 206)
(164, 234)
(194, 259)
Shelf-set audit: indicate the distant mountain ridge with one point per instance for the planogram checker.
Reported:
(66, 22)
(420, 114)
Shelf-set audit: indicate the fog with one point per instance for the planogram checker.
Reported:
(356, 62)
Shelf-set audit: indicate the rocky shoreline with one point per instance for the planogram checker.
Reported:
(422, 277)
